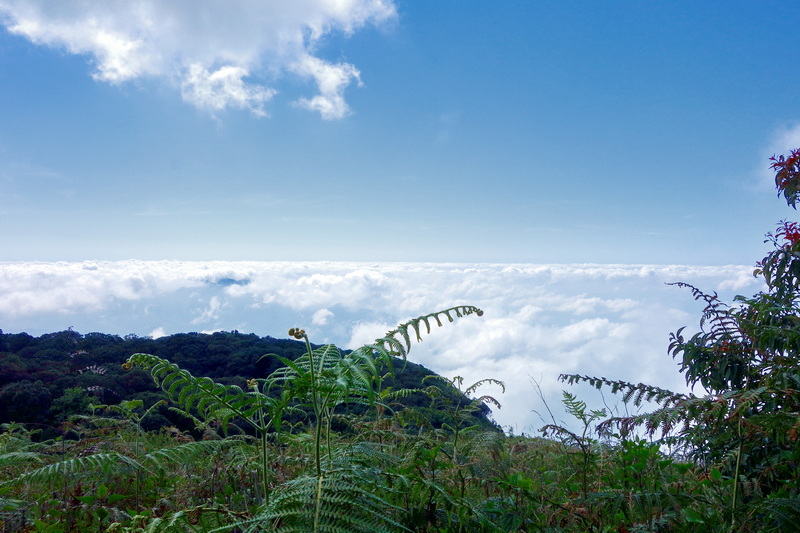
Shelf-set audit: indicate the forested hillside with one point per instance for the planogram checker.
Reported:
(46, 379)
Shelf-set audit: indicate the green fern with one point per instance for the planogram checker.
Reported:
(389, 346)
(352, 496)
(187, 453)
(337, 502)
(199, 519)
(79, 466)
(783, 513)
(337, 498)
(212, 400)
(12, 459)
(631, 393)
(338, 378)
(675, 410)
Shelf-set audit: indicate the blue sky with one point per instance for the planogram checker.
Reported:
(621, 132)
(356, 163)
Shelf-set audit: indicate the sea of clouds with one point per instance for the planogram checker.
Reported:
(540, 320)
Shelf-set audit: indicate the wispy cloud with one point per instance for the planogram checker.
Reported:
(211, 312)
(214, 51)
(540, 320)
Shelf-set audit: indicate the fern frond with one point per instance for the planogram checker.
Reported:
(7, 505)
(201, 519)
(631, 393)
(198, 424)
(210, 399)
(337, 502)
(783, 512)
(18, 458)
(187, 452)
(105, 462)
(337, 377)
(388, 345)
(472, 388)
(555, 429)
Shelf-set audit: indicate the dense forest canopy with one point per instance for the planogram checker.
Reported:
(45, 379)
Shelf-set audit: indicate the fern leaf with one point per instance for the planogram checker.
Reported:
(187, 452)
(201, 519)
(342, 500)
(209, 398)
(18, 458)
(390, 346)
(472, 388)
(107, 462)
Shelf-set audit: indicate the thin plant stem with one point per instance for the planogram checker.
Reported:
(315, 406)
(735, 495)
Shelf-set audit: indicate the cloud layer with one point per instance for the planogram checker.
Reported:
(540, 320)
(211, 50)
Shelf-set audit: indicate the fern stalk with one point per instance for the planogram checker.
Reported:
(315, 406)
(734, 497)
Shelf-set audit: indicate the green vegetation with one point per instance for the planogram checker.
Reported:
(315, 439)
(45, 380)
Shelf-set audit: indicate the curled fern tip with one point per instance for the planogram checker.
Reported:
(297, 333)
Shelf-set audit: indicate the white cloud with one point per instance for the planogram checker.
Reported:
(157, 333)
(205, 47)
(214, 91)
(331, 81)
(321, 317)
(211, 312)
(33, 288)
(365, 333)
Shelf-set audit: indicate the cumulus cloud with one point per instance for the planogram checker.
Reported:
(321, 317)
(366, 332)
(157, 333)
(221, 54)
(214, 91)
(331, 82)
(34, 288)
(539, 321)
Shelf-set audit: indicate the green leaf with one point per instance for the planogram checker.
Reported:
(693, 516)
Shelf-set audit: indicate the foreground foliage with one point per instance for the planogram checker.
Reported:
(744, 431)
(251, 464)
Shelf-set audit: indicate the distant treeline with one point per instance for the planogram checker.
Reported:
(46, 379)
